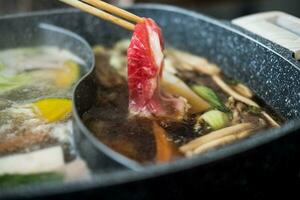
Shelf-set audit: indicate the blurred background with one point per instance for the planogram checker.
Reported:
(224, 9)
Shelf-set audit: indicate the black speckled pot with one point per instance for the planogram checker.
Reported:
(255, 166)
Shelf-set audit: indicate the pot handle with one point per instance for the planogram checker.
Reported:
(276, 26)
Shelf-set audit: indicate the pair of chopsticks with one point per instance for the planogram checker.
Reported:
(98, 8)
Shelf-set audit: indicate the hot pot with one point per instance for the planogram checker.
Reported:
(255, 166)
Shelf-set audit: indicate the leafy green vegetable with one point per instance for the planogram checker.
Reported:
(210, 96)
(216, 119)
(253, 110)
(12, 82)
(10, 180)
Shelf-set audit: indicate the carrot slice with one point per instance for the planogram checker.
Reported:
(165, 150)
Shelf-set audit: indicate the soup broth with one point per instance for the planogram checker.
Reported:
(35, 98)
(233, 112)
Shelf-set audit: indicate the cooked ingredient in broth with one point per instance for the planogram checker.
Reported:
(169, 106)
(17, 179)
(35, 108)
(221, 110)
(145, 65)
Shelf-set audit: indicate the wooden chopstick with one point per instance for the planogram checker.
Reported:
(114, 10)
(101, 14)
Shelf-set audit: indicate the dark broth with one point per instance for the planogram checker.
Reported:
(108, 119)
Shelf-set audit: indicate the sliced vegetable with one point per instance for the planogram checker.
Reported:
(213, 144)
(63, 76)
(222, 141)
(218, 80)
(216, 119)
(210, 96)
(68, 74)
(215, 135)
(176, 86)
(165, 150)
(243, 90)
(11, 180)
(271, 121)
(13, 82)
(194, 62)
(53, 109)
